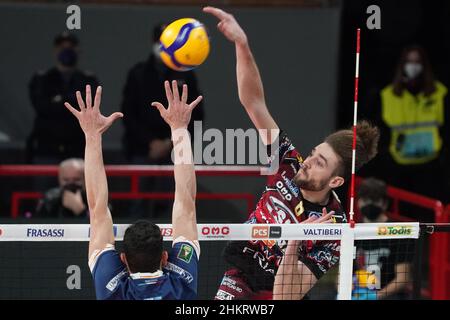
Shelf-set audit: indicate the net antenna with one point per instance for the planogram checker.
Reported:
(355, 119)
(348, 239)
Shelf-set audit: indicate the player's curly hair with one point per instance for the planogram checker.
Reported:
(366, 146)
(143, 246)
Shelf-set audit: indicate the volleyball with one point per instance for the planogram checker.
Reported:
(184, 44)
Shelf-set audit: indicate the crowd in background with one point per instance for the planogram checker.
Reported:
(412, 112)
(57, 139)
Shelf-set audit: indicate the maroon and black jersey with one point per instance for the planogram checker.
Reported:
(282, 202)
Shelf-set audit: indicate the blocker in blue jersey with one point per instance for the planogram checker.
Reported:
(143, 271)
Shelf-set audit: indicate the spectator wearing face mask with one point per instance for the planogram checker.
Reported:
(147, 138)
(387, 262)
(69, 199)
(413, 115)
(55, 135)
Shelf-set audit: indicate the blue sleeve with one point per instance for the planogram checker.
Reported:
(183, 262)
(108, 272)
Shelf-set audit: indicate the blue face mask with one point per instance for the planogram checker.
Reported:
(68, 57)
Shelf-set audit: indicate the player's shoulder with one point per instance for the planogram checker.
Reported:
(185, 248)
(283, 138)
(104, 258)
(291, 159)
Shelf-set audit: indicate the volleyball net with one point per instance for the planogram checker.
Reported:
(376, 261)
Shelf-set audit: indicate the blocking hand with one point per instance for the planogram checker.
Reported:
(89, 116)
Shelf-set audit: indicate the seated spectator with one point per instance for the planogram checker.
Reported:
(55, 135)
(69, 199)
(388, 259)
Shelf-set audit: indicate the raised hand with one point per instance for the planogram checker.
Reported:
(89, 116)
(228, 25)
(178, 113)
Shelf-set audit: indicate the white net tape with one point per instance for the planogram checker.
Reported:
(236, 232)
(220, 232)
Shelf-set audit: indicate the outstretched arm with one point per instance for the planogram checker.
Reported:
(177, 116)
(293, 279)
(250, 86)
(93, 124)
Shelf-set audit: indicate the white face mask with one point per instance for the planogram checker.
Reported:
(156, 49)
(413, 70)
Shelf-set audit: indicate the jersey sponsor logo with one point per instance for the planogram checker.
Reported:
(299, 209)
(290, 184)
(335, 218)
(281, 212)
(283, 191)
(180, 271)
(260, 232)
(222, 295)
(185, 253)
(215, 231)
(314, 214)
(230, 283)
(45, 233)
(112, 284)
(395, 230)
(148, 282)
(322, 232)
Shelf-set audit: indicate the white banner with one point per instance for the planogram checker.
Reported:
(218, 232)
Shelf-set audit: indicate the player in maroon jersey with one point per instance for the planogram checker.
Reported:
(299, 190)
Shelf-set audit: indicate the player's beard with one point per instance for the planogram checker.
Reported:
(307, 183)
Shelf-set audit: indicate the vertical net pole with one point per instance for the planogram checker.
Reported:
(355, 119)
(417, 265)
(346, 263)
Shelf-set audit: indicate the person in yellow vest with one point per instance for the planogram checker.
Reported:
(413, 109)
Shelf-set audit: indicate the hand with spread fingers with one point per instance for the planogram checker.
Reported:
(178, 113)
(89, 116)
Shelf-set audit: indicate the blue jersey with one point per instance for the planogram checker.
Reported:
(177, 280)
